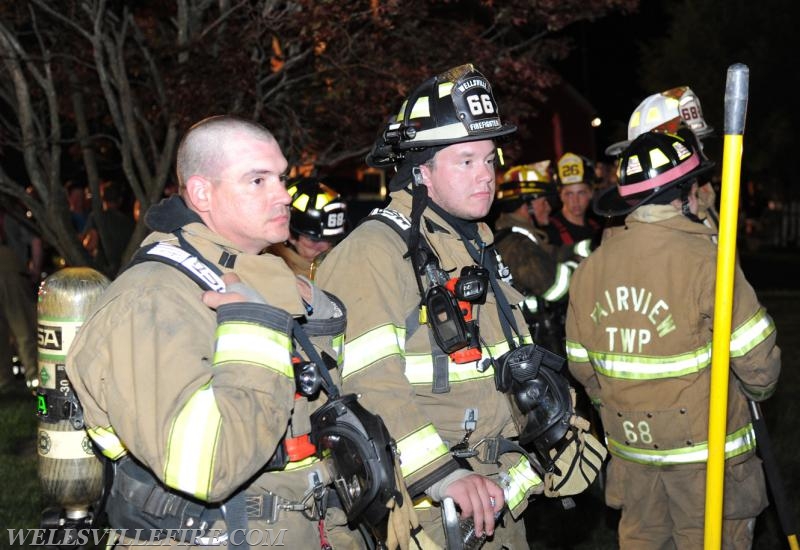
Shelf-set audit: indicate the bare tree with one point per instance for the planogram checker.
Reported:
(110, 85)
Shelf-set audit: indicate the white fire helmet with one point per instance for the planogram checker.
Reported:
(665, 112)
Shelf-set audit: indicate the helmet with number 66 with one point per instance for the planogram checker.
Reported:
(452, 107)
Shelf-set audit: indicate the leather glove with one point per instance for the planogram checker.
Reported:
(403, 520)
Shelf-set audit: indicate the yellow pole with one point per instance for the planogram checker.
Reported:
(736, 88)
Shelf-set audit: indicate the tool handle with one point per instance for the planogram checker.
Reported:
(736, 92)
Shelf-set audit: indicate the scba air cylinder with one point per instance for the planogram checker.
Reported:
(71, 475)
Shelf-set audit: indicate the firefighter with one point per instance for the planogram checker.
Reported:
(574, 222)
(639, 336)
(192, 394)
(318, 221)
(541, 271)
(410, 347)
(676, 110)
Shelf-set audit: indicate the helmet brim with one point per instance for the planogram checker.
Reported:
(504, 130)
(610, 203)
(615, 149)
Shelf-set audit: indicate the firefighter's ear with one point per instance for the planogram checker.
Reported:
(199, 191)
(422, 175)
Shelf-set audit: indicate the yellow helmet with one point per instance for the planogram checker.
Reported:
(526, 182)
(574, 168)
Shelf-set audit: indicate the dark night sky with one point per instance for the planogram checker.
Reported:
(604, 65)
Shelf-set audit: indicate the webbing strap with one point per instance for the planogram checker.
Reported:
(235, 513)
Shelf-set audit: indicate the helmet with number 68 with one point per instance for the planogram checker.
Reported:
(318, 212)
(666, 111)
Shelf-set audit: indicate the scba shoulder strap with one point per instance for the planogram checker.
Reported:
(420, 258)
(209, 277)
(356, 440)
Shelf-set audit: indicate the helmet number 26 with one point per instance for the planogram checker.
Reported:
(480, 104)
(637, 432)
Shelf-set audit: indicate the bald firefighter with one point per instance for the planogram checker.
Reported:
(639, 336)
(188, 367)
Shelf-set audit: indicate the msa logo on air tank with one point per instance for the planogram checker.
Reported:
(50, 338)
(638, 300)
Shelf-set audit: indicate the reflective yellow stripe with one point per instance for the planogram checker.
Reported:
(251, 343)
(423, 503)
(751, 333)
(576, 352)
(192, 444)
(107, 440)
(419, 370)
(521, 479)
(372, 346)
(337, 343)
(739, 442)
(561, 285)
(633, 367)
(305, 463)
(419, 449)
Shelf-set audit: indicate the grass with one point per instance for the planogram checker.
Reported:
(588, 526)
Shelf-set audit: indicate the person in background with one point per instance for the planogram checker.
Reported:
(540, 270)
(107, 235)
(78, 205)
(639, 339)
(17, 304)
(675, 111)
(318, 221)
(574, 223)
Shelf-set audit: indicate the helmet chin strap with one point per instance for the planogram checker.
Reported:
(685, 210)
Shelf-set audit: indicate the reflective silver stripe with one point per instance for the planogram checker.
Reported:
(523, 231)
(192, 444)
(419, 449)
(419, 367)
(561, 285)
(576, 352)
(739, 442)
(521, 479)
(251, 343)
(372, 346)
(530, 303)
(631, 367)
(751, 333)
(107, 440)
(583, 248)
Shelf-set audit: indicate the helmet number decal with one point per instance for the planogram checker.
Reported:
(336, 219)
(690, 112)
(571, 170)
(480, 104)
